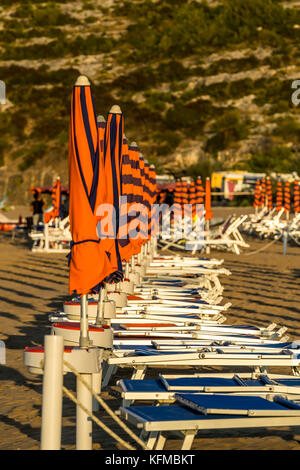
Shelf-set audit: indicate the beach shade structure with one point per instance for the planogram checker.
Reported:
(263, 191)
(287, 198)
(148, 199)
(200, 193)
(177, 199)
(269, 193)
(56, 202)
(279, 196)
(208, 211)
(154, 203)
(193, 198)
(112, 161)
(296, 197)
(125, 247)
(257, 195)
(89, 263)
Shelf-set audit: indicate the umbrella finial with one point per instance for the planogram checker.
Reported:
(100, 118)
(115, 109)
(134, 144)
(82, 80)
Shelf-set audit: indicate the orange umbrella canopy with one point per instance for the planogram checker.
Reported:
(269, 194)
(89, 263)
(296, 197)
(287, 197)
(279, 196)
(55, 196)
(207, 206)
(257, 195)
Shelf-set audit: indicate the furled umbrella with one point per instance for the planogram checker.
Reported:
(269, 193)
(279, 196)
(113, 142)
(296, 197)
(125, 246)
(257, 196)
(193, 198)
(56, 202)
(207, 206)
(263, 191)
(88, 262)
(287, 198)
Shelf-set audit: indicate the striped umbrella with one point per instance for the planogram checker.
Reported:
(177, 199)
(207, 206)
(269, 193)
(193, 198)
(287, 197)
(296, 197)
(200, 193)
(154, 214)
(125, 246)
(113, 143)
(279, 196)
(133, 151)
(257, 195)
(89, 264)
(263, 191)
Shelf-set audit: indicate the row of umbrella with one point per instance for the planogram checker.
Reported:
(188, 195)
(263, 195)
(111, 190)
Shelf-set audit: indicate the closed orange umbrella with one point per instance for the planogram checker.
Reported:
(287, 197)
(257, 195)
(207, 206)
(199, 191)
(89, 264)
(56, 202)
(269, 194)
(263, 191)
(113, 144)
(296, 197)
(279, 196)
(125, 246)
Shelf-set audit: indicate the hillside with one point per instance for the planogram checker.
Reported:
(203, 85)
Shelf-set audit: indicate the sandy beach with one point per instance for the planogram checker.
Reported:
(264, 287)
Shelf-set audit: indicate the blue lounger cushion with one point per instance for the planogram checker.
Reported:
(228, 404)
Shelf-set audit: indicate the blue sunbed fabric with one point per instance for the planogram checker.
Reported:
(203, 403)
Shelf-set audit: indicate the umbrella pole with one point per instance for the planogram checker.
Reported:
(100, 306)
(84, 341)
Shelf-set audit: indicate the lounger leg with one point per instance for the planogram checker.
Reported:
(152, 439)
(139, 373)
(160, 443)
(188, 440)
(107, 373)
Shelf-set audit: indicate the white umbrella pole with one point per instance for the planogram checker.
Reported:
(84, 341)
(100, 306)
(52, 393)
(83, 421)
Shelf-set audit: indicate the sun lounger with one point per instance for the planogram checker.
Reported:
(164, 388)
(194, 412)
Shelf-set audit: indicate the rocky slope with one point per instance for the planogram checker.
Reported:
(203, 85)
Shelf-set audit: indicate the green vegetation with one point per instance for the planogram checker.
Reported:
(279, 159)
(228, 129)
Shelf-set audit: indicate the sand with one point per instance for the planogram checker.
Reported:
(263, 288)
